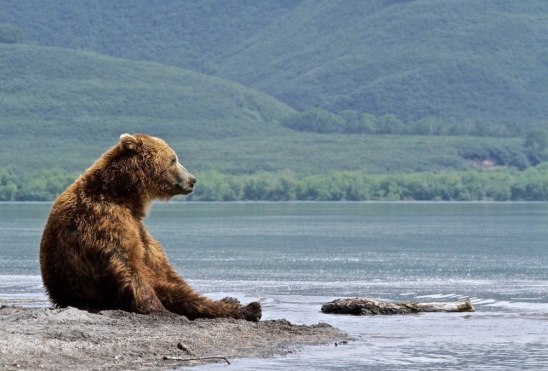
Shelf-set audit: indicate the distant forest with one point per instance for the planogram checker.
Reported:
(318, 120)
(471, 185)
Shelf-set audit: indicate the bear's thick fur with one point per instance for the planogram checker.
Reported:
(95, 251)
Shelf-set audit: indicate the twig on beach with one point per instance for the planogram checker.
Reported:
(195, 359)
(185, 348)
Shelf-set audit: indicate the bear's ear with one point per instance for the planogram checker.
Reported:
(128, 141)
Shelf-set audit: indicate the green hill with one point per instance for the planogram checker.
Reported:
(63, 108)
(53, 100)
(458, 61)
(191, 34)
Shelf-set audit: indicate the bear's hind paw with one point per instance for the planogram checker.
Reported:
(252, 311)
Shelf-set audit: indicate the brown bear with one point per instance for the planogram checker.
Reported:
(95, 251)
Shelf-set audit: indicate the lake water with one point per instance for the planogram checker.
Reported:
(294, 257)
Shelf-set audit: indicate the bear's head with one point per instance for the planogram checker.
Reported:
(151, 164)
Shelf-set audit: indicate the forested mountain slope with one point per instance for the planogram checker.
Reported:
(194, 34)
(457, 61)
(370, 77)
(52, 98)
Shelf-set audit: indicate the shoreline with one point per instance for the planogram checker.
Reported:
(68, 338)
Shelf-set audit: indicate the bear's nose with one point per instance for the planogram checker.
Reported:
(193, 180)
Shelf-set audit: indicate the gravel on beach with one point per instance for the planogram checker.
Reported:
(69, 338)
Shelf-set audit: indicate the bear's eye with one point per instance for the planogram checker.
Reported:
(173, 160)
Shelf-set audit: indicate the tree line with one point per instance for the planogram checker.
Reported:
(471, 185)
(42, 185)
(319, 120)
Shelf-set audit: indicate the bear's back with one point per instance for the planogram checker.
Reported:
(76, 249)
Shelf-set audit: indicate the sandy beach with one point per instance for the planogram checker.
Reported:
(69, 338)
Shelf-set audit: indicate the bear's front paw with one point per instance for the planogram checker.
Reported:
(252, 312)
(230, 300)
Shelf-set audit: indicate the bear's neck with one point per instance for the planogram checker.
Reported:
(123, 192)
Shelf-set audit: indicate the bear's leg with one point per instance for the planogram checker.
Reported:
(130, 290)
(181, 299)
(141, 298)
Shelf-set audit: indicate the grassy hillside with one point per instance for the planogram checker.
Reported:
(51, 98)
(55, 102)
(317, 154)
(457, 60)
(460, 61)
(192, 34)
(61, 109)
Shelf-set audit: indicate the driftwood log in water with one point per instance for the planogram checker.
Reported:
(362, 306)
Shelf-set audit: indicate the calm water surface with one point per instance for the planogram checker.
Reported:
(294, 257)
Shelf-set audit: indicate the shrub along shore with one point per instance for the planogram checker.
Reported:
(503, 184)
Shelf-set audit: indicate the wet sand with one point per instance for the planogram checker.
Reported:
(69, 338)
